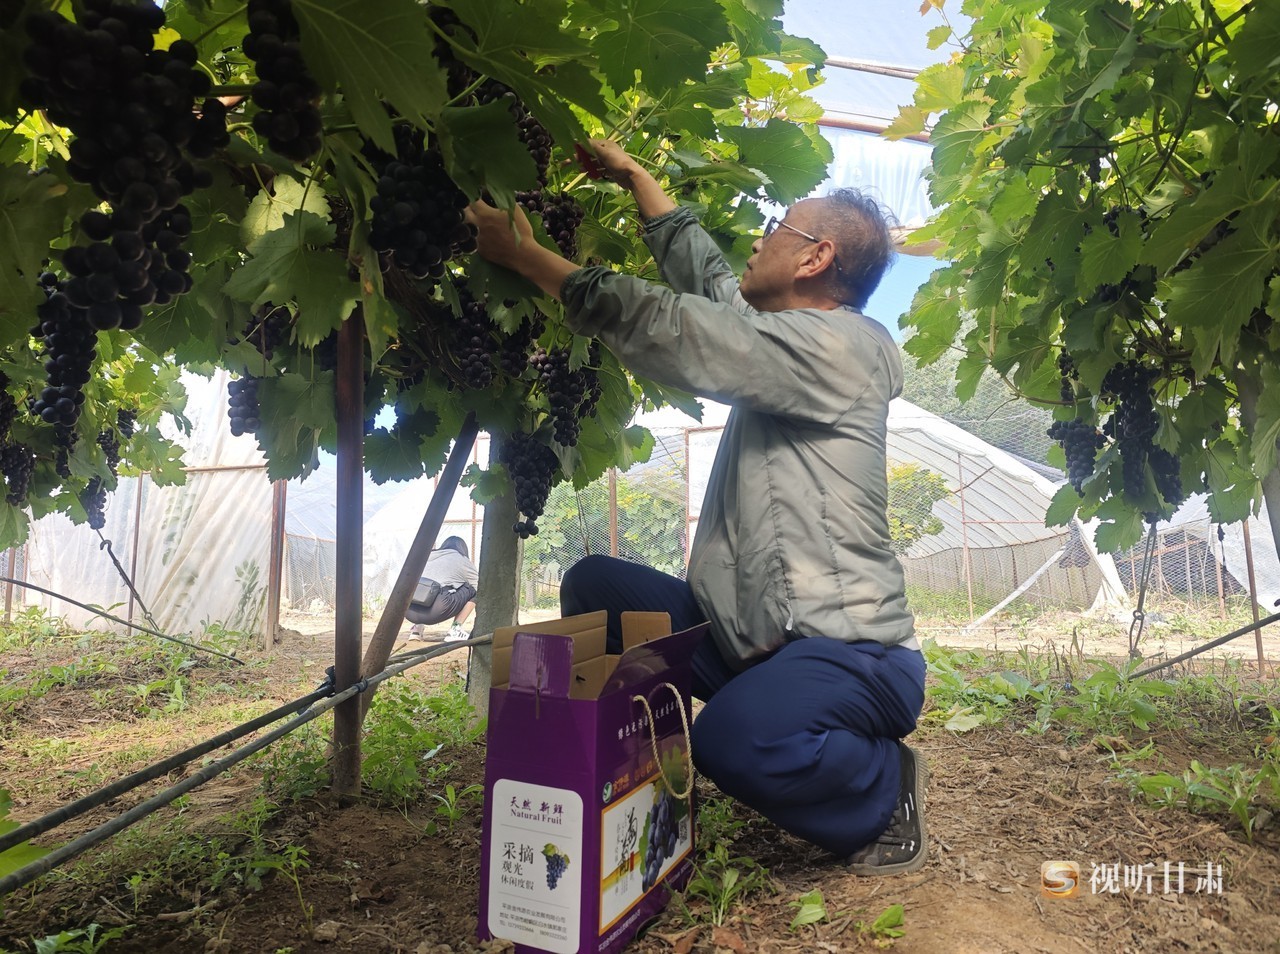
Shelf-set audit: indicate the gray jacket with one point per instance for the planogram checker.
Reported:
(793, 539)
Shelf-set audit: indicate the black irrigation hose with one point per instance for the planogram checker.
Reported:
(123, 622)
(103, 795)
(47, 863)
(1235, 634)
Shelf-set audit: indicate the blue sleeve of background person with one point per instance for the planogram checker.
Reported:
(807, 364)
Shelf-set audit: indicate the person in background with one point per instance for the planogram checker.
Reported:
(812, 674)
(450, 566)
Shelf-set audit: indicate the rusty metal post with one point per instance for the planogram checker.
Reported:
(275, 568)
(349, 407)
(137, 533)
(1253, 595)
(964, 534)
(613, 511)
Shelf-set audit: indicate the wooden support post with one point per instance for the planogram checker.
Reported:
(349, 399)
(1217, 568)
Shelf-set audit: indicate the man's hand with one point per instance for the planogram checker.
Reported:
(618, 165)
(507, 240)
(500, 238)
(623, 169)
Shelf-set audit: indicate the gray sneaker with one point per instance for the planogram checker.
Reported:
(903, 846)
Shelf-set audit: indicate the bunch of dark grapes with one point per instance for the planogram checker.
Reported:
(475, 344)
(132, 110)
(565, 391)
(109, 441)
(531, 465)
(268, 328)
(561, 216)
(242, 406)
(1080, 441)
(594, 389)
(126, 422)
(1166, 469)
(8, 408)
(94, 500)
(17, 463)
(513, 352)
(69, 351)
(1134, 422)
(557, 863)
(286, 92)
(1067, 368)
(418, 211)
(64, 442)
(663, 836)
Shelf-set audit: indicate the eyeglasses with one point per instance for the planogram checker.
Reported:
(774, 222)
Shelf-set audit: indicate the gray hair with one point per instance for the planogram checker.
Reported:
(860, 229)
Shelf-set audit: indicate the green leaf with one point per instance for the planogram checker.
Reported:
(486, 485)
(964, 721)
(812, 909)
(1105, 259)
(376, 52)
(13, 40)
(196, 326)
(1216, 297)
(482, 150)
(286, 195)
(665, 41)
(1256, 47)
(32, 212)
(792, 161)
(392, 456)
(295, 412)
(1063, 507)
(937, 36)
(286, 267)
(1111, 73)
(512, 38)
(1123, 531)
(889, 919)
(1267, 428)
(954, 136)
(14, 525)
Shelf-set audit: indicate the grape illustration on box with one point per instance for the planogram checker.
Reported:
(661, 835)
(557, 862)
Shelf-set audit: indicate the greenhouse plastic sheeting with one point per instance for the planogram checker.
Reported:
(202, 548)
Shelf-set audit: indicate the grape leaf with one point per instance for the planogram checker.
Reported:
(286, 267)
(377, 52)
(486, 485)
(511, 38)
(269, 207)
(296, 413)
(1216, 296)
(1105, 259)
(196, 326)
(954, 134)
(389, 456)
(482, 151)
(793, 163)
(32, 212)
(13, 40)
(1256, 47)
(14, 525)
(665, 41)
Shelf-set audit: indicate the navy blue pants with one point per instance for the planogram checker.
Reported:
(807, 736)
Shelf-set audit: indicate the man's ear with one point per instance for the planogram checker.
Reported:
(816, 259)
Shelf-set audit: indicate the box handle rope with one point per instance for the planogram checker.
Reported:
(653, 741)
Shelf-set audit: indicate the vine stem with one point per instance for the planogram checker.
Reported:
(232, 89)
(225, 20)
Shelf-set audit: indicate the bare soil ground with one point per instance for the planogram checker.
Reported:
(1000, 803)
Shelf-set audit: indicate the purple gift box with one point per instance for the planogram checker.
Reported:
(588, 811)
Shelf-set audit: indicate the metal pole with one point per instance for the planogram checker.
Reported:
(613, 511)
(12, 560)
(1253, 594)
(275, 568)
(137, 532)
(964, 535)
(349, 408)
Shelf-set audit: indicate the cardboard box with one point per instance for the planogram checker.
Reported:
(588, 812)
